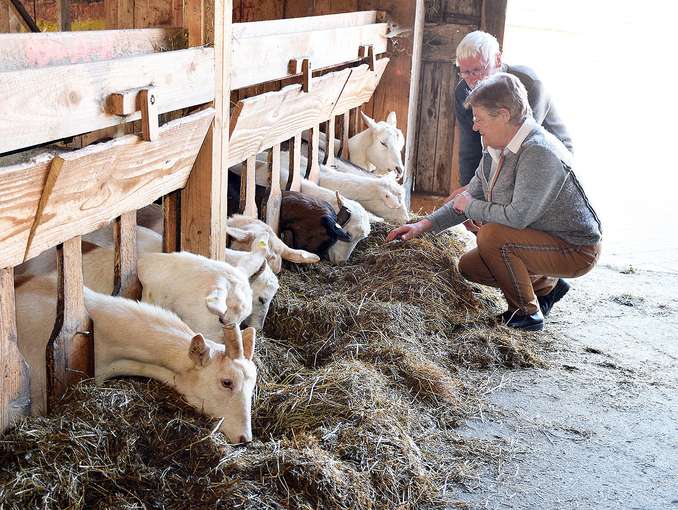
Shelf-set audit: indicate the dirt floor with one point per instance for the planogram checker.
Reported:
(598, 428)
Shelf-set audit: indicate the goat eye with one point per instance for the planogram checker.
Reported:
(227, 383)
(383, 143)
(261, 300)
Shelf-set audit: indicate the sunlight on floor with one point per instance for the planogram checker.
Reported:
(609, 67)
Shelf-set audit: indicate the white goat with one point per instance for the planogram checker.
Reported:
(247, 233)
(378, 148)
(138, 339)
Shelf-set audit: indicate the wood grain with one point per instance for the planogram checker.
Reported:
(275, 195)
(441, 41)
(125, 280)
(42, 105)
(96, 184)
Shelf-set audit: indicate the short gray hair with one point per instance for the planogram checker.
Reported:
(501, 90)
(478, 43)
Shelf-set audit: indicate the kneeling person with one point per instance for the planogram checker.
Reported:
(537, 223)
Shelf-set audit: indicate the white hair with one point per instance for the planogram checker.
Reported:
(478, 43)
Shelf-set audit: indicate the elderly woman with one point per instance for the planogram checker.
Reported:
(536, 223)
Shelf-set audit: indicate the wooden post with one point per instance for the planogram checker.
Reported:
(203, 200)
(70, 350)
(64, 16)
(275, 195)
(171, 211)
(125, 280)
(15, 400)
(294, 166)
(313, 167)
(329, 145)
(344, 152)
(248, 188)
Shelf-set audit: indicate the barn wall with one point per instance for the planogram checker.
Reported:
(447, 22)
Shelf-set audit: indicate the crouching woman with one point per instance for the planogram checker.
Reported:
(536, 224)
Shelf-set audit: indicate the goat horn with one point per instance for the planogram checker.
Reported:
(233, 341)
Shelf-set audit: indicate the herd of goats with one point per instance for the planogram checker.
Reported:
(195, 326)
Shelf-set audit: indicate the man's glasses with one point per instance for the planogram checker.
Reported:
(477, 72)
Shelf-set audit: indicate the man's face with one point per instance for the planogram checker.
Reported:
(476, 68)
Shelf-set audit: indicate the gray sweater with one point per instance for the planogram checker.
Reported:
(536, 189)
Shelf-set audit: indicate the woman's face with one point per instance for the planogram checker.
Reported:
(494, 128)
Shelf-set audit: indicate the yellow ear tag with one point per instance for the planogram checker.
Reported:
(261, 244)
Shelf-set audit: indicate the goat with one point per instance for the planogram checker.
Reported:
(246, 232)
(310, 223)
(139, 339)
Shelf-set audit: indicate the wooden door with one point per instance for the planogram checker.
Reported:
(436, 170)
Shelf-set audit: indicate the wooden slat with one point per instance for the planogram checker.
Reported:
(313, 170)
(32, 51)
(428, 127)
(354, 123)
(329, 136)
(441, 41)
(15, 398)
(445, 130)
(203, 201)
(324, 48)
(171, 211)
(493, 18)
(344, 153)
(275, 194)
(47, 104)
(292, 25)
(294, 174)
(4, 26)
(70, 350)
(119, 13)
(96, 184)
(258, 123)
(248, 186)
(125, 280)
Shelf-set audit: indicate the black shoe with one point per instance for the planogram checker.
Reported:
(546, 302)
(519, 320)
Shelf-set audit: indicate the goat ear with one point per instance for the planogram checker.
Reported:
(216, 301)
(240, 235)
(391, 119)
(233, 342)
(340, 201)
(198, 351)
(368, 120)
(248, 340)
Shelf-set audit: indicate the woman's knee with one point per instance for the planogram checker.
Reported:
(491, 236)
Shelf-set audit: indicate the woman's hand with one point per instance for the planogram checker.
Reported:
(407, 232)
(455, 193)
(460, 202)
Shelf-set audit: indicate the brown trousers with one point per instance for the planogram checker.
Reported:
(524, 263)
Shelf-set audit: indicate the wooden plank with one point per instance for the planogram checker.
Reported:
(147, 103)
(441, 41)
(294, 166)
(454, 182)
(153, 13)
(4, 27)
(258, 123)
(51, 103)
(70, 350)
(171, 211)
(119, 13)
(313, 169)
(125, 280)
(354, 122)
(203, 201)
(64, 15)
(343, 137)
(275, 195)
(323, 47)
(32, 51)
(15, 400)
(248, 189)
(26, 18)
(428, 127)
(445, 129)
(305, 24)
(256, 10)
(96, 184)
(493, 18)
(470, 8)
(329, 137)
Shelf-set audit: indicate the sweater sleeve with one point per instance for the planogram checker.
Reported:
(540, 177)
(470, 149)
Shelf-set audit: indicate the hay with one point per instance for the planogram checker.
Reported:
(362, 381)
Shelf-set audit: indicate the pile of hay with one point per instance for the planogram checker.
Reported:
(361, 384)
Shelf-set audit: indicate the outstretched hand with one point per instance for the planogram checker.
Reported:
(410, 231)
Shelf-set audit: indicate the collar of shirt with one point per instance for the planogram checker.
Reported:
(515, 143)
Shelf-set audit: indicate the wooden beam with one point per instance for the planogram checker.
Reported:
(64, 15)
(323, 47)
(203, 201)
(259, 122)
(15, 400)
(305, 24)
(275, 195)
(96, 184)
(48, 104)
(33, 51)
(125, 280)
(70, 350)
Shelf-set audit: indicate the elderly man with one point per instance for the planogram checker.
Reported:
(536, 223)
(478, 57)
